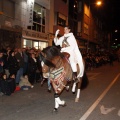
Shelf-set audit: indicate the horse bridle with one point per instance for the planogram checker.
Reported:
(49, 63)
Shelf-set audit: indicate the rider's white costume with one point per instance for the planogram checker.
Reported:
(73, 50)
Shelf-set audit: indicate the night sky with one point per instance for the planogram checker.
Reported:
(111, 11)
(110, 14)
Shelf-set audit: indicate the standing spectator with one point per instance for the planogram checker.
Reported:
(1, 63)
(5, 58)
(25, 60)
(13, 64)
(20, 60)
(32, 67)
(39, 76)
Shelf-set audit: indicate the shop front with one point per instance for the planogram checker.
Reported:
(33, 39)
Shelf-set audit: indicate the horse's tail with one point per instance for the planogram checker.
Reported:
(85, 81)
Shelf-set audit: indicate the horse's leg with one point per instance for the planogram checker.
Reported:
(73, 87)
(75, 79)
(58, 101)
(78, 90)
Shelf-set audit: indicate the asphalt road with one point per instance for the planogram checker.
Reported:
(99, 101)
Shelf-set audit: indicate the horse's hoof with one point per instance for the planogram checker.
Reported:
(64, 104)
(73, 92)
(55, 110)
(49, 91)
(76, 99)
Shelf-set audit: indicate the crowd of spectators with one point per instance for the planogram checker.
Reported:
(19, 69)
(95, 60)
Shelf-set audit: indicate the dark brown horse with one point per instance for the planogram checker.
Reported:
(56, 67)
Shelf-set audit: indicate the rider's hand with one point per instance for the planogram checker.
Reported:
(57, 32)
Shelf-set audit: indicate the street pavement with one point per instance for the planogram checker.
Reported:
(99, 101)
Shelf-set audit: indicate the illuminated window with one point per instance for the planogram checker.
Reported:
(61, 20)
(42, 45)
(86, 28)
(35, 44)
(86, 10)
(39, 16)
(27, 43)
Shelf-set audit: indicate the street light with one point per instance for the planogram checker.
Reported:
(98, 3)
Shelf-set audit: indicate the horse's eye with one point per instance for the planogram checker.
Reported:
(42, 63)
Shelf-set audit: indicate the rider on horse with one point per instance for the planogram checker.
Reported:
(68, 44)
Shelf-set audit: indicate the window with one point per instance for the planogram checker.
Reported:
(39, 16)
(86, 28)
(27, 43)
(61, 20)
(42, 45)
(36, 44)
(79, 6)
(87, 10)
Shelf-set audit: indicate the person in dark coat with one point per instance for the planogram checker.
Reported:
(11, 83)
(6, 64)
(32, 67)
(20, 58)
(1, 63)
(4, 85)
(13, 64)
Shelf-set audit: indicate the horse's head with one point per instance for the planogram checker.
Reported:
(47, 56)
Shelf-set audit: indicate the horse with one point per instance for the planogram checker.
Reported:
(56, 67)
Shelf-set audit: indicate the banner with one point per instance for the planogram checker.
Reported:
(29, 13)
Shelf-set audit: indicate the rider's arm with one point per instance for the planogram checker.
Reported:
(58, 41)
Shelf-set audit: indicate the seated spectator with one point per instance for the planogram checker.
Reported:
(24, 83)
(11, 83)
(4, 85)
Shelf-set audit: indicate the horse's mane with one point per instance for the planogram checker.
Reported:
(49, 53)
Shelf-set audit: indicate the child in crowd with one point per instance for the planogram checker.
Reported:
(24, 83)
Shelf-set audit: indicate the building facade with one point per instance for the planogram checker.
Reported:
(33, 23)
(16, 29)
(86, 24)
